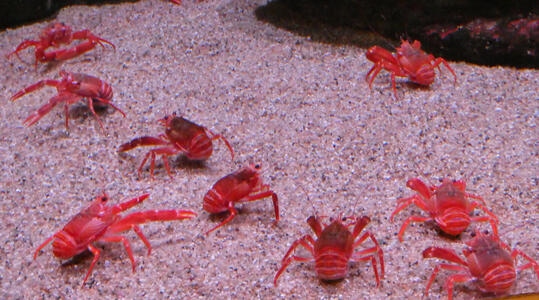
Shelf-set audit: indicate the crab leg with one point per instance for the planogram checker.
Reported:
(43, 110)
(127, 247)
(490, 218)
(306, 241)
(220, 137)
(440, 60)
(96, 252)
(531, 261)
(411, 219)
(45, 243)
(164, 152)
(264, 195)
(233, 213)
(377, 248)
(405, 202)
(111, 104)
(450, 281)
(22, 46)
(34, 87)
(357, 258)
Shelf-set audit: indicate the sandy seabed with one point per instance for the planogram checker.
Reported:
(300, 108)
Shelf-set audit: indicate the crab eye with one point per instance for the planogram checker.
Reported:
(257, 166)
(472, 234)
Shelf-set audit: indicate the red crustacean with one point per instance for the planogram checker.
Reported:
(409, 61)
(100, 222)
(489, 262)
(335, 247)
(244, 185)
(178, 2)
(447, 204)
(181, 135)
(72, 88)
(55, 35)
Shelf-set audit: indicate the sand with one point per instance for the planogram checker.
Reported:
(327, 144)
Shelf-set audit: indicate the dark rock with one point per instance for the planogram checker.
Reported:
(17, 12)
(487, 32)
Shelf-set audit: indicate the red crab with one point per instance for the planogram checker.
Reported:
(244, 185)
(335, 247)
(100, 222)
(447, 205)
(57, 34)
(178, 2)
(72, 88)
(409, 61)
(489, 262)
(181, 135)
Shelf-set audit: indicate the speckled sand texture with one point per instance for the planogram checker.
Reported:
(302, 109)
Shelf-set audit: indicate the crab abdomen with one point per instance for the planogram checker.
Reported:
(331, 264)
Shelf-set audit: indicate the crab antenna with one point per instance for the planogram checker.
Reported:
(309, 200)
(472, 172)
(355, 204)
(388, 41)
(422, 172)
